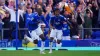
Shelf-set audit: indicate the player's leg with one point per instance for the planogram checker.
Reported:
(31, 36)
(41, 35)
(42, 43)
(50, 44)
(59, 38)
(52, 36)
(34, 37)
(27, 39)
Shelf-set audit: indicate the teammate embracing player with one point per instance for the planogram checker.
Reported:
(56, 23)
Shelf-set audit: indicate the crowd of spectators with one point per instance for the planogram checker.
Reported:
(79, 13)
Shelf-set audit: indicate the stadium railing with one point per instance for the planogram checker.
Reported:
(95, 30)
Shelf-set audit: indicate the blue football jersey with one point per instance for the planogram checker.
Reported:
(57, 22)
(31, 21)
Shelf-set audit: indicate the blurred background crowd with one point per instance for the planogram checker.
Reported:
(79, 13)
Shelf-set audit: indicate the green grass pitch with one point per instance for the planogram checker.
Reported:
(55, 53)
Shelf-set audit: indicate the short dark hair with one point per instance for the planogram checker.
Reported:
(56, 9)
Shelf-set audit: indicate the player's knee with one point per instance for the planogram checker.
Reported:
(58, 41)
(51, 39)
(42, 37)
(36, 41)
